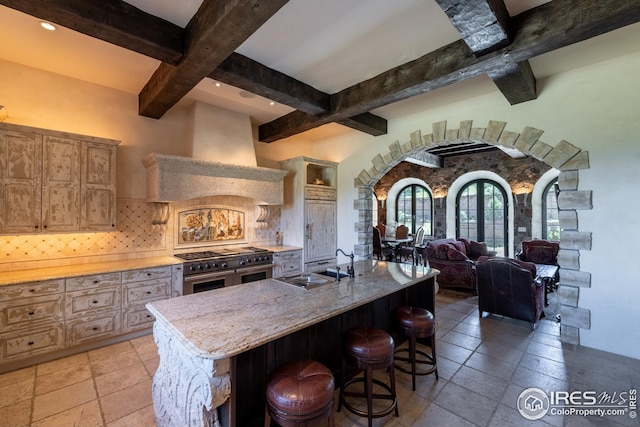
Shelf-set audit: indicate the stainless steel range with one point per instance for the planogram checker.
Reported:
(222, 267)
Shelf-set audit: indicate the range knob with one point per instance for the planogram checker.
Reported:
(200, 267)
(243, 262)
(224, 265)
(207, 266)
(192, 268)
(214, 265)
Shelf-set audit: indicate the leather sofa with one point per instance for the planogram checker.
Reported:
(455, 258)
(508, 287)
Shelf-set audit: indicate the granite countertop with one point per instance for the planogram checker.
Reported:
(61, 272)
(225, 322)
(280, 248)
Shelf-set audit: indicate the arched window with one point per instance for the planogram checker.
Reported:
(414, 208)
(481, 214)
(550, 221)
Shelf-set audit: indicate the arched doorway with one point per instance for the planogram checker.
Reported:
(565, 157)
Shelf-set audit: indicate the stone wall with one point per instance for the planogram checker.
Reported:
(514, 170)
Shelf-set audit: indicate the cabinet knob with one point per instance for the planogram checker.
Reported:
(148, 292)
(44, 226)
(94, 302)
(96, 281)
(31, 313)
(95, 328)
(32, 290)
(30, 343)
(36, 227)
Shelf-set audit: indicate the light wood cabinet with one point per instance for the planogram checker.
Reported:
(287, 263)
(309, 214)
(31, 319)
(140, 287)
(45, 318)
(20, 181)
(93, 308)
(53, 182)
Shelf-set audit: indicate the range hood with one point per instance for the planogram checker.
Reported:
(222, 162)
(175, 178)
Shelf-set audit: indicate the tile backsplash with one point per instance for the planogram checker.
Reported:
(134, 236)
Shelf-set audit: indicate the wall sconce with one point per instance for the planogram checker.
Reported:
(3, 113)
(382, 198)
(522, 199)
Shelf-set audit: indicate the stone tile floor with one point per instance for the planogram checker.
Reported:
(483, 364)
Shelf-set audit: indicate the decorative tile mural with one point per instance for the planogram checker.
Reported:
(206, 225)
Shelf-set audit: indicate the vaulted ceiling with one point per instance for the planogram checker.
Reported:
(331, 63)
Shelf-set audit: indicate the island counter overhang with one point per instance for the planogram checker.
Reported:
(201, 336)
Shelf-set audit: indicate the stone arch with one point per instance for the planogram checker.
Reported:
(565, 157)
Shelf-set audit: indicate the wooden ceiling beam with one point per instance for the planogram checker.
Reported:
(244, 73)
(214, 32)
(484, 26)
(115, 22)
(537, 31)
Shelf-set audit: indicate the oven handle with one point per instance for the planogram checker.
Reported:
(205, 276)
(253, 268)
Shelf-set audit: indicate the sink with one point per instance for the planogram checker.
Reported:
(332, 273)
(306, 280)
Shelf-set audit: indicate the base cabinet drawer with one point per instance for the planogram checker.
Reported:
(21, 344)
(146, 274)
(144, 292)
(33, 289)
(31, 312)
(137, 319)
(287, 263)
(93, 281)
(93, 301)
(86, 329)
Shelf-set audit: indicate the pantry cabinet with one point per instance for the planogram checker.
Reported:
(309, 213)
(55, 182)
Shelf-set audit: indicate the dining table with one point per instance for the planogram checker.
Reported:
(395, 244)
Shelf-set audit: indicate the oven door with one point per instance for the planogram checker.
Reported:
(207, 281)
(253, 274)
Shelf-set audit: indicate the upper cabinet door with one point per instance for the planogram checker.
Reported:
(61, 184)
(98, 195)
(20, 181)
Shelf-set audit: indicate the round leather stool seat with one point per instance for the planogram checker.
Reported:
(300, 391)
(415, 320)
(368, 349)
(365, 346)
(416, 323)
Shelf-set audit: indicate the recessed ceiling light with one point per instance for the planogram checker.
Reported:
(218, 84)
(48, 26)
(272, 103)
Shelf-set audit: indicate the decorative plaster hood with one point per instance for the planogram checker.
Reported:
(174, 178)
(223, 162)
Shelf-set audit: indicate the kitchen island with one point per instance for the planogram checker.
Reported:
(217, 347)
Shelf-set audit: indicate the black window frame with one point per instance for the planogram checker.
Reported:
(413, 228)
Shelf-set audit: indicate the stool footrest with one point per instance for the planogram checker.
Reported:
(428, 360)
(393, 406)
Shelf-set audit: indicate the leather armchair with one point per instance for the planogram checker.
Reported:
(508, 287)
(539, 252)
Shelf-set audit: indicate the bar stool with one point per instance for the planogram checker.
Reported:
(368, 349)
(416, 323)
(300, 392)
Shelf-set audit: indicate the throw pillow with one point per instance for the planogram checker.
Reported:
(455, 255)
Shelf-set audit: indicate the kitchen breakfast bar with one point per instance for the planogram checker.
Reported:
(217, 347)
